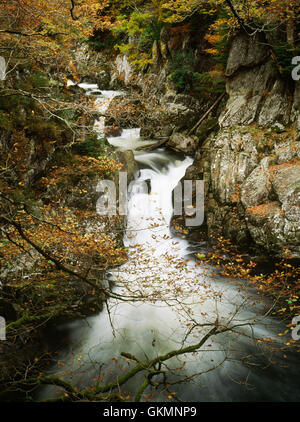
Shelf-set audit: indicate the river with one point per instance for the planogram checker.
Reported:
(179, 302)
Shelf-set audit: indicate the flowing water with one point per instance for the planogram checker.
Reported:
(176, 303)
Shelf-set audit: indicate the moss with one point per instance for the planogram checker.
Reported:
(39, 80)
(91, 147)
(6, 122)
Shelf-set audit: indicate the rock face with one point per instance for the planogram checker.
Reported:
(271, 198)
(247, 150)
(251, 167)
(225, 161)
(123, 70)
(246, 52)
(173, 113)
(234, 156)
(251, 198)
(256, 94)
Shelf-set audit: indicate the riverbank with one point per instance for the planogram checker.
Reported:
(55, 248)
(131, 295)
(174, 302)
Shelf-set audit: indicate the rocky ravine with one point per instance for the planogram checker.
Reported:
(248, 155)
(251, 165)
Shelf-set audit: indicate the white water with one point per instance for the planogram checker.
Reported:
(101, 103)
(174, 294)
(131, 138)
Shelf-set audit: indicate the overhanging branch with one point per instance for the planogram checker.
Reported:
(72, 11)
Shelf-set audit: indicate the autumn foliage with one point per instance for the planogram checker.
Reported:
(54, 252)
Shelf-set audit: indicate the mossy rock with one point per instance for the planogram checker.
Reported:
(93, 146)
(206, 127)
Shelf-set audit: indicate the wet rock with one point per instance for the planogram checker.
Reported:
(129, 164)
(113, 131)
(183, 143)
(96, 93)
(76, 90)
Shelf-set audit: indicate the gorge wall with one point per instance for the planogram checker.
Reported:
(247, 147)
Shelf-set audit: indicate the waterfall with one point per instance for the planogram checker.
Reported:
(175, 293)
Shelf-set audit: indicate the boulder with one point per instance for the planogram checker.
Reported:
(271, 196)
(246, 52)
(96, 93)
(257, 187)
(287, 151)
(123, 69)
(113, 131)
(256, 92)
(183, 143)
(175, 113)
(129, 164)
(233, 157)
